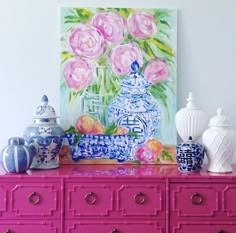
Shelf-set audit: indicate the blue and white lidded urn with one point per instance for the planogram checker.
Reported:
(17, 157)
(46, 135)
(135, 108)
(189, 156)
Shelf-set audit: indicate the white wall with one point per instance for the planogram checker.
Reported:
(29, 55)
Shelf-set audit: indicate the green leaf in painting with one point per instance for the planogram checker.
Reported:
(112, 129)
(133, 134)
(162, 13)
(125, 12)
(165, 23)
(65, 56)
(159, 92)
(84, 14)
(166, 155)
(161, 45)
(73, 94)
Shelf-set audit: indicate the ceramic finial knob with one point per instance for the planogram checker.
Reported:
(191, 101)
(44, 100)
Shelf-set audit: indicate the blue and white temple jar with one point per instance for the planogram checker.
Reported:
(17, 157)
(135, 108)
(46, 135)
(189, 156)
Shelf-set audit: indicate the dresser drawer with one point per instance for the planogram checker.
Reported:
(3, 200)
(114, 227)
(32, 200)
(141, 200)
(29, 227)
(194, 200)
(88, 200)
(208, 227)
(229, 200)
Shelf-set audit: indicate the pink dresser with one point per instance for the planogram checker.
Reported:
(117, 199)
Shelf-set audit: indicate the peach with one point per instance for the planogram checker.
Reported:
(85, 124)
(121, 130)
(155, 146)
(98, 128)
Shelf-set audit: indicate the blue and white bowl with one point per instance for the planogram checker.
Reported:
(189, 156)
(100, 146)
(17, 157)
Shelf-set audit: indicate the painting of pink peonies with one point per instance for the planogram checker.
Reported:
(118, 85)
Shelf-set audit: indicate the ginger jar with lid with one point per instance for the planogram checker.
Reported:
(46, 135)
(219, 140)
(135, 108)
(189, 156)
(17, 157)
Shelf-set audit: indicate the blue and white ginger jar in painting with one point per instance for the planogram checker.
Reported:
(135, 108)
(189, 156)
(17, 157)
(46, 135)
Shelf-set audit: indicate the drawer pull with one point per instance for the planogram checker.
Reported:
(139, 198)
(90, 198)
(115, 231)
(8, 231)
(196, 199)
(220, 231)
(34, 198)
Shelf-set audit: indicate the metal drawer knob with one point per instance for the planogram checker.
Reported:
(139, 198)
(114, 231)
(196, 199)
(90, 198)
(34, 198)
(8, 231)
(220, 231)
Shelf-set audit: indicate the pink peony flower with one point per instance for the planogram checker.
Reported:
(141, 24)
(78, 73)
(111, 25)
(156, 70)
(87, 42)
(122, 56)
(145, 154)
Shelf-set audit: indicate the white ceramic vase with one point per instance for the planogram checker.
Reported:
(219, 141)
(190, 121)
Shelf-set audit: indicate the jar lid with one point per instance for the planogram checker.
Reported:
(15, 141)
(219, 120)
(135, 80)
(44, 110)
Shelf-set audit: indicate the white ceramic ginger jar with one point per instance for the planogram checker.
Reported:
(190, 121)
(219, 141)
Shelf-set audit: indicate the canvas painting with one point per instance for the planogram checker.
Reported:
(118, 85)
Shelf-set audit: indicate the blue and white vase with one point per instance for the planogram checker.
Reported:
(135, 108)
(189, 156)
(17, 157)
(46, 135)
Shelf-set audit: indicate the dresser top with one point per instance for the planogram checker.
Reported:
(116, 171)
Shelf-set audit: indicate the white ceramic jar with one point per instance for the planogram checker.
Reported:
(219, 141)
(190, 121)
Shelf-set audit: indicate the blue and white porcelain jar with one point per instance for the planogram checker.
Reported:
(189, 156)
(17, 157)
(46, 135)
(135, 108)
